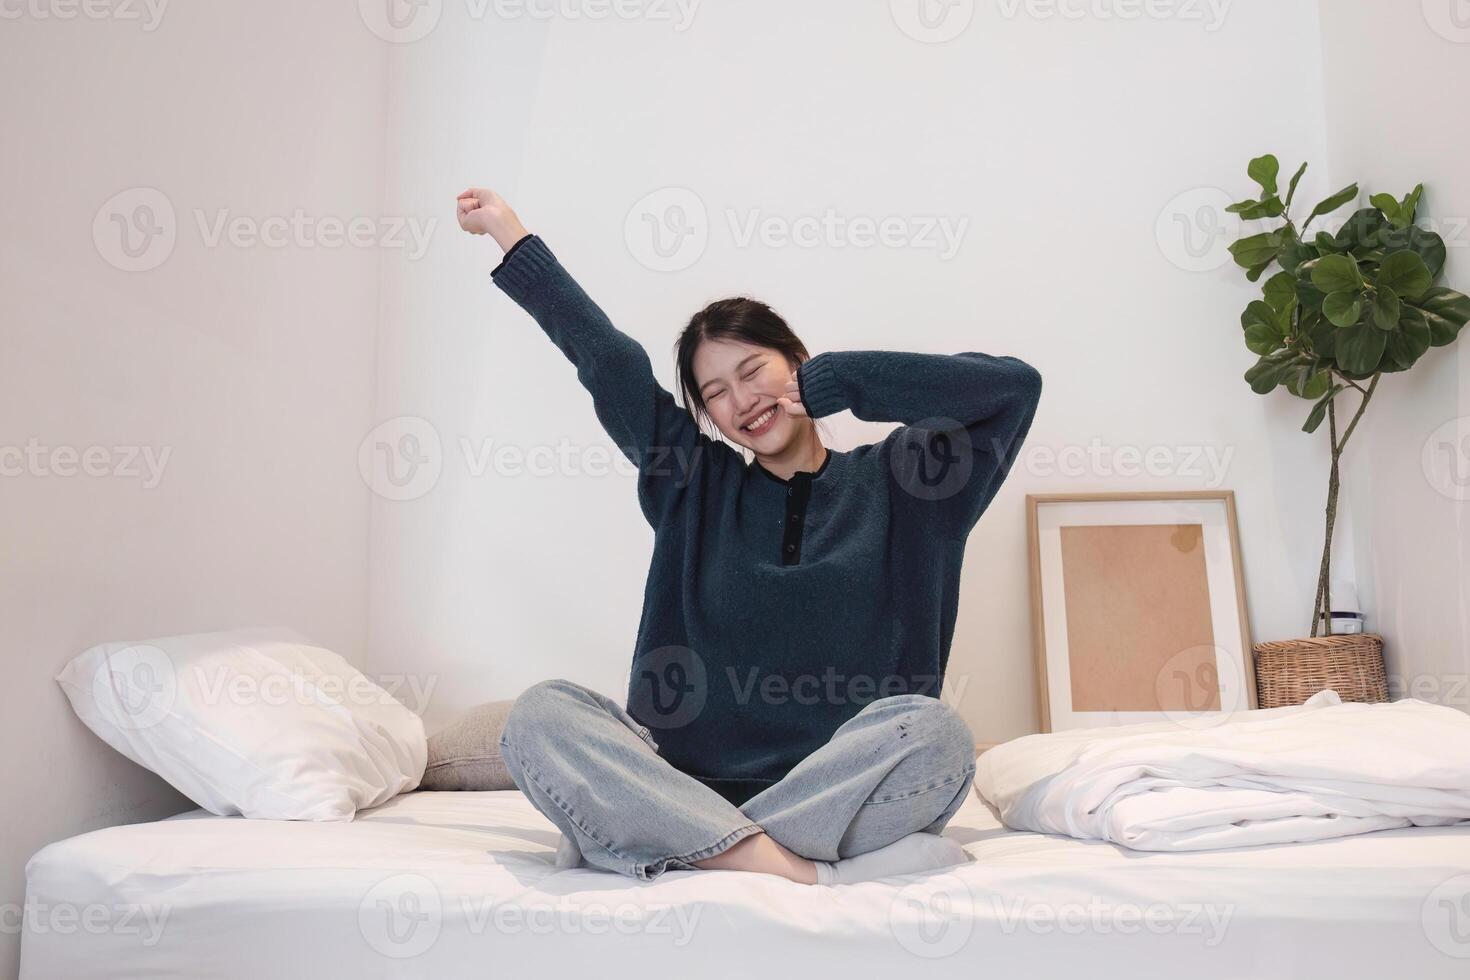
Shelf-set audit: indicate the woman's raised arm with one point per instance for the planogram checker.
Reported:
(647, 424)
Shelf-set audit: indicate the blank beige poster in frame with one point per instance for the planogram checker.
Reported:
(1138, 608)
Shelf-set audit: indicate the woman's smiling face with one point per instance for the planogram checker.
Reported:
(740, 383)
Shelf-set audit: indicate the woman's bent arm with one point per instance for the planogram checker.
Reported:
(972, 412)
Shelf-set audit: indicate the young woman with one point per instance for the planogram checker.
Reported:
(782, 712)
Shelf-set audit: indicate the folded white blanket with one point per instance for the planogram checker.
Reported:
(1305, 772)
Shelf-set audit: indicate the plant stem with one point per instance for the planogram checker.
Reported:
(1322, 606)
(1361, 405)
(1323, 602)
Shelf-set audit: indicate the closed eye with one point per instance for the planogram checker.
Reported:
(748, 376)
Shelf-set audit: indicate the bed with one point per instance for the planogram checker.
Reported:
(449, 885)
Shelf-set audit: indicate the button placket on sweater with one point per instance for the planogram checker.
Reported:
(798, 492)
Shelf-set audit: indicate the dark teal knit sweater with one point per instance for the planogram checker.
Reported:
(775, 609)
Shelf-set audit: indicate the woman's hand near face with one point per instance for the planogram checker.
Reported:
(791, 401)
(481, 211)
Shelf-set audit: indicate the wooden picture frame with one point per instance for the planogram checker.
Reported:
(1138, 609)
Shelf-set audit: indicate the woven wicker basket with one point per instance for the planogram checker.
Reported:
(1290, 671)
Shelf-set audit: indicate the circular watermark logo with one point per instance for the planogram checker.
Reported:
(401, 917)
(400, 21)
(1195, 232)
(933, 459)
(932, 21)
(1446, 917)
(667, 230)
(1450, 19)
(401, 459)
(1446, 458)
(135, 230)
(670, 685)
(135, 687)
(1196, 687)
(933, 918)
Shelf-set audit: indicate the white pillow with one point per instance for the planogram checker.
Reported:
(255, 722)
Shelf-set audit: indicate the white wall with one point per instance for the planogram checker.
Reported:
(1071, 147)
(1390, 129)
(250, 366)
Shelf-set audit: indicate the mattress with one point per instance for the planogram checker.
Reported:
(449, 885)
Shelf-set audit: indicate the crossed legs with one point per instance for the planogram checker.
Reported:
(900, 765)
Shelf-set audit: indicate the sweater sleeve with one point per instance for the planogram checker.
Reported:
(964, 418)
(648, 426)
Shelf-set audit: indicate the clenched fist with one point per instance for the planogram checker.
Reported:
(483, 212)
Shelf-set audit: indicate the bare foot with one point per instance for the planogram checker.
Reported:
(758, 852)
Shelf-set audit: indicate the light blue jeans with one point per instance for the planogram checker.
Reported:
(900, 765)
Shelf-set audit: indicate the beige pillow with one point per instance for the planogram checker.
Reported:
(466, 754)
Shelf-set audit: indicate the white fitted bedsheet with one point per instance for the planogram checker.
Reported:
(450, 885)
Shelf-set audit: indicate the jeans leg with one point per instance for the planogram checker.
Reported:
(900, 765)
(586, 764)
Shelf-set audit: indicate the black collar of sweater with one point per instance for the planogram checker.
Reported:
(799, 475)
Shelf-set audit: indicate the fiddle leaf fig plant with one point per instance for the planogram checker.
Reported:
(1342, 310)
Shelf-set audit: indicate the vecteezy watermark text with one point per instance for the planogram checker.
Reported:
(36, 459)
(403, 916)
(1207, 464)
(147, 13)
(144, 920)
(406, 21)
(137, 229)
(668, 230)
(1097, 916)
(1210, 13)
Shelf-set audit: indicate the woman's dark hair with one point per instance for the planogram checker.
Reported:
(737, 318)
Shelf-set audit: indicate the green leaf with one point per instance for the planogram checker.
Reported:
(1386, 308)
(1361, 230)
(1261, 338)
(1327, 244)
(1307, 382)
(1406, 274)
(1408, 343)
(1344, 307)
(1386, 203)
(1258, 312)
(1256, 250)
(1264, 171)
(1310, 296)
(1410, 207)
(1319, 410)
(1445, 312)
(1293, 255)
(1296, 179)
(1320, 334)
(1334, 273)
(1267, 373)
(1280, 291)
(1271, 207)
(1263, 333)
(1360, 347)
(1423, 243)
(1333, 203)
